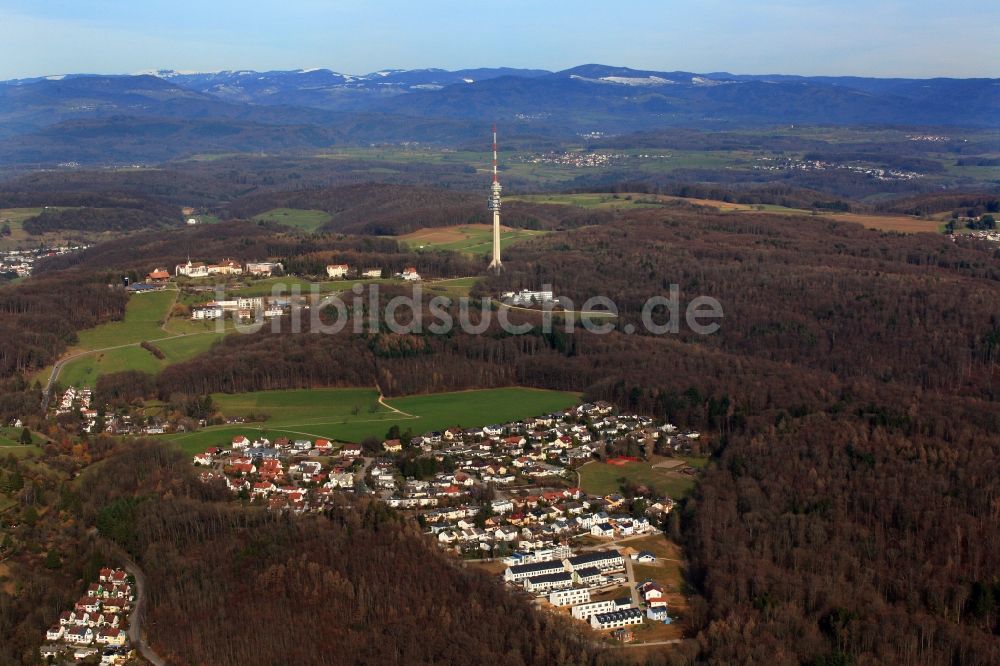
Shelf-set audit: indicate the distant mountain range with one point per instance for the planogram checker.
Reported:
(163, 114)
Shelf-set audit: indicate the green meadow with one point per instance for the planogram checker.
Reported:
(144, 316)
(353, 414)
(307, 220)
(85, 370)
(10, 442)
(115, 346)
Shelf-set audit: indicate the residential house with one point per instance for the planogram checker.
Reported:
(502, 506)
(585, 611)
(616, 619)
(658, 614)
(350, 450)
(337, 270)
(604, 560)
(542, 584)
(604, 530)
(570, 597)
(588, 576)
(519, 572)
(111, 636)
(81, 635)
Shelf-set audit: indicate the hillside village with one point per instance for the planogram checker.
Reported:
(507, 492)
(97, 623)
(21, 263)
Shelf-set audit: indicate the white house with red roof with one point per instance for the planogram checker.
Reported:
(337, 270)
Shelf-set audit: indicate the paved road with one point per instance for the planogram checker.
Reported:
(672, 641)
(359, 478)
(138, 614)
(630, 573)
(582, 313)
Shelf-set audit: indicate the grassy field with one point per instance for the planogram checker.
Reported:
(10, 443)
(307, 220)
(601, 478)
(467, 239)
(593, 200)
(19, 238)
(85, 370)
(144, 316)
(452, 288)
(900, 223)
(353, 414)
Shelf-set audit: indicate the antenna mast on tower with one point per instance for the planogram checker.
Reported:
(494, 205)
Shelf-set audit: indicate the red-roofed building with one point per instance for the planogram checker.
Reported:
(263, 488)
(271, 469)
(241, 468)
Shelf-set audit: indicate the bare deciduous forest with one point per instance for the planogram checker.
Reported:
(849, 515)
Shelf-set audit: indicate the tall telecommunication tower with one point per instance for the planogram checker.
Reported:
(494, 205)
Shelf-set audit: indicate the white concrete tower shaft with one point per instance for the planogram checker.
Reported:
(494, 205)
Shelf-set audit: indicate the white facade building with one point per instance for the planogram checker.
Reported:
(570, 597)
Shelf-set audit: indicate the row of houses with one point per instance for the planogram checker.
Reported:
(199, 269)
(99, 618)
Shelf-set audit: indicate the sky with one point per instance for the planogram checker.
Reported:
(912, 38)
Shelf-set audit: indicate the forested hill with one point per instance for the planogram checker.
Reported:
(847, 516)
(392, 210)
(356, 585)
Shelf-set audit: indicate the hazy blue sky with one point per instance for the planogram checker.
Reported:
(867, 37)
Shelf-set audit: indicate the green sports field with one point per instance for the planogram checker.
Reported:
(353, 414)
